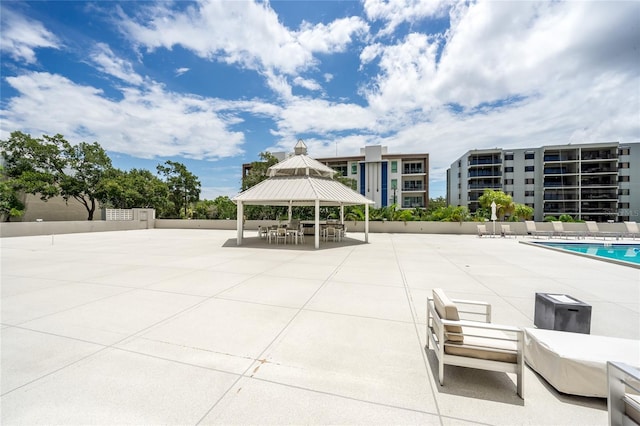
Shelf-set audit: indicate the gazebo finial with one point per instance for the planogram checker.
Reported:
(300, 148)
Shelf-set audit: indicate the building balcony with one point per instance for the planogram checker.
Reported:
(485, 161)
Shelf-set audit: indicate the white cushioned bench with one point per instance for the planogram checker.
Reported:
(576, 363)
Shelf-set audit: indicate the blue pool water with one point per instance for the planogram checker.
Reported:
(621, 252)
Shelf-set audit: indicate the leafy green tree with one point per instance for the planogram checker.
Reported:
(436, 203)
(10, 204)
(184, 186)
(258, 171)
(224, 208)
(51, 166)
(566, 218)
(449, 214)
(504, 202)
(135, 188)
(354, 213)
(522, 212)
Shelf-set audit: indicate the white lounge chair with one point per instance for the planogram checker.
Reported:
(623, 400)
(632, 230)
(533, 231)
(482, 230)
(506, 230)
(593, 230)
(472, 343)
(559, 231)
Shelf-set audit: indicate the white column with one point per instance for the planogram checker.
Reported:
(342, 214)
(317, 218)
(290, 214)
(366, 223)
(240, 224)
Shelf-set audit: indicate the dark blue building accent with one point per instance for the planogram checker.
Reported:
(385, 198)
(363, 188)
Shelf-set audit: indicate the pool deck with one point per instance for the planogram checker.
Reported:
(184, 327)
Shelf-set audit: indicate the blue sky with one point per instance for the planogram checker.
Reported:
(212, 84)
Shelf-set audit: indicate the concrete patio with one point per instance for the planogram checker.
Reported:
(167, 326)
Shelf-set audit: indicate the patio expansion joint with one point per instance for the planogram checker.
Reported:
(276, 337)
(414, 315)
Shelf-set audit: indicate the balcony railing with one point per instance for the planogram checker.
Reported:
(484, 161)
(410, 171)
(484, 173)
(413, 188)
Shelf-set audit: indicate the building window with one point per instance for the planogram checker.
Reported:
(623, 192)
(459, 163)
(394, 167)
(459, 175)
(508, 181)
(459, 186)
(394, 183)
(340, 169)
(623, 151)
(508, 157)
(529, 181)
(623, 178)
(623, 165)
(508, 169)
(529, 155)
(529, 193)
(623, 205)
(528, 168)
(532, 205)
(354, 168)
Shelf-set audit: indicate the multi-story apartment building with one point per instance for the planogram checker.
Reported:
(596, 181)
(401, 179)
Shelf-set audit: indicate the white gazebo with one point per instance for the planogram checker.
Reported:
(301, 181)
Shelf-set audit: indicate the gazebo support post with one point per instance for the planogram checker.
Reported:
(290, 212)
(342, 214)
(317, 227)
(240, 224)
(366, 223)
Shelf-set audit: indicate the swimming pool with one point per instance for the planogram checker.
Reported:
(619, 253)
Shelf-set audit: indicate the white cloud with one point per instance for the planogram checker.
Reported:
(244, 33)
(322, 117)
(109, 63)
(395, 12)
(145, 123)
(307, 83)
(180, 71)
(21, 36)
(327, 77)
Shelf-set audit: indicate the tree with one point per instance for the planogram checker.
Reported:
(436, 203)
(51, 166)
(184, 186)
(504, 202)
(135, 188)
(10, 204)
(224, 208)
(258, 171)
(523, 212)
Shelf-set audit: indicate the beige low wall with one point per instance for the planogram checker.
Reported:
(374, 226)
(46, 228)
(23, 229)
